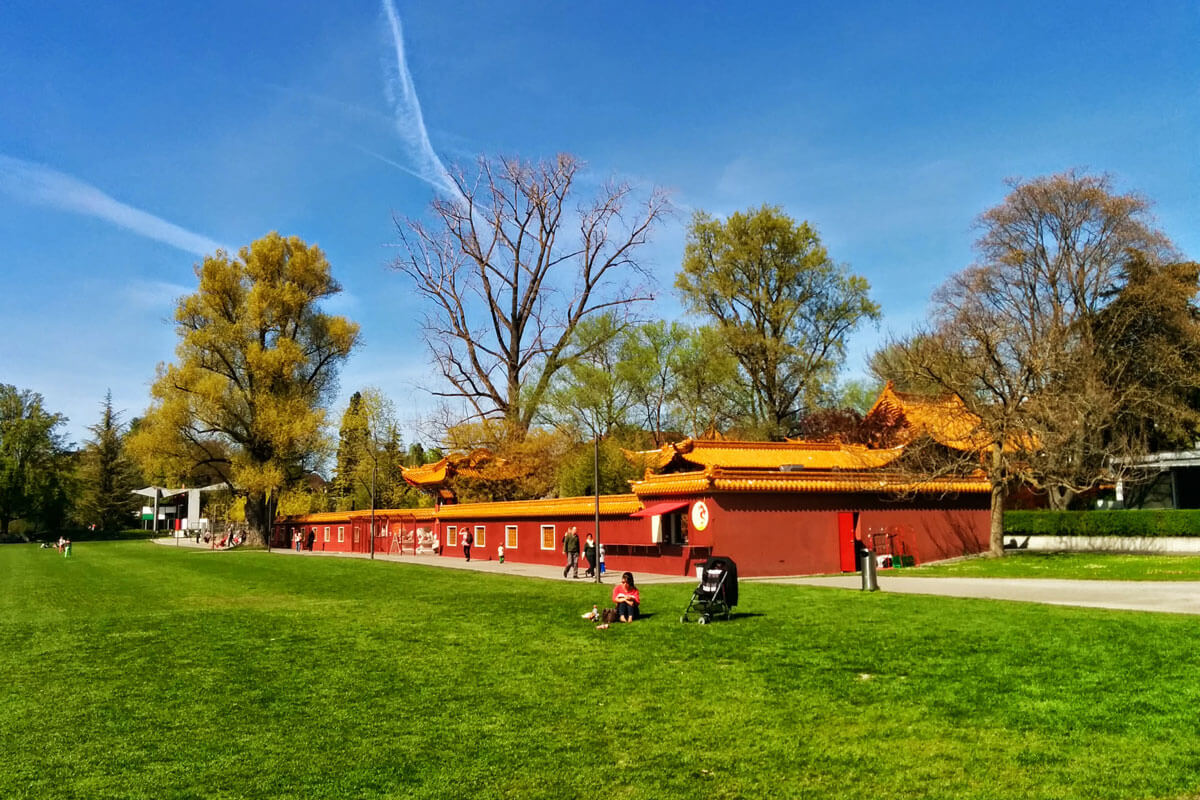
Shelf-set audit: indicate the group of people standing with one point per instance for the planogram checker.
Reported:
(299, 542)
(570, 543)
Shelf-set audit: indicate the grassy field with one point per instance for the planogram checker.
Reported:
(134, 670)
(1076, 566)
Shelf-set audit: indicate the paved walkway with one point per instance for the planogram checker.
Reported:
(544, 571)
(1175, 597)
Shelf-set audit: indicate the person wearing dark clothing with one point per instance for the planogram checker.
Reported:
(589, 553)
(571, 548)
(312, 537)
(467, 540)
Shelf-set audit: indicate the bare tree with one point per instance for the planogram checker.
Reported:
(510, 270)
(1018, 338)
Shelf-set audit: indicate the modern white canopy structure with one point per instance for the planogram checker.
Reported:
(193, 500)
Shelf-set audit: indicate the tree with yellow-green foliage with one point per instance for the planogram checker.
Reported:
(256, 365)
(783, 307)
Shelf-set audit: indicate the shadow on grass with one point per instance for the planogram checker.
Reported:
(693, 615)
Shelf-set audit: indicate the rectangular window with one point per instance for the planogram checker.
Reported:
(674, 528)
(355, 534)
(548, 540)
(480, 536)
(327, 533)
(341, 533)
(510, 537)
(451, 536)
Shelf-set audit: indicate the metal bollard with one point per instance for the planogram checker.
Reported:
(870, 581)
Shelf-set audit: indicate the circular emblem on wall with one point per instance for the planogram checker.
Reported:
(699, 515)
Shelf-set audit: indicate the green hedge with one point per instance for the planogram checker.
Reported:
(1156, 522)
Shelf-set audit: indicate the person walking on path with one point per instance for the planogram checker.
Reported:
(467, 540)
(297, 539)
(571, 548)
(589, 553)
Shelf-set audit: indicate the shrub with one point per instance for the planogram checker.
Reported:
(1149, 522)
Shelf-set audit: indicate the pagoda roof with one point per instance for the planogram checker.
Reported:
(719, 479)
(944, 418)
(700, 453)
(432, 476)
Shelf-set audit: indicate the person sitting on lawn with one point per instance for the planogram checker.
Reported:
(627, 598)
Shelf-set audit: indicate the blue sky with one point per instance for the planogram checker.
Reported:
(134, 137)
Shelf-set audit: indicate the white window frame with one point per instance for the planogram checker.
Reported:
(451, 536)
(480, 536)
(341, 533)
(553, 537)
(355, 529)
(326, 533)
(510, 537)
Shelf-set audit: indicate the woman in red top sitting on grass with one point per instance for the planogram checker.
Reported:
(627, 598)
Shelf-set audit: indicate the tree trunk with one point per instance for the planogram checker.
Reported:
(996, 540)
(260, 515)
(1059, 498)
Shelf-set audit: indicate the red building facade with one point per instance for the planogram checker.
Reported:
(775, 508)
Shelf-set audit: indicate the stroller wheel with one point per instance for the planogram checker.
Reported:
(684, 618)
(707, 618)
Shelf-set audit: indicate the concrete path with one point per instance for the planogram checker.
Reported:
(544, 571)
(1175, 597)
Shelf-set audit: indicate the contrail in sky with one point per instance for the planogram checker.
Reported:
(40, 185)
(409, 121)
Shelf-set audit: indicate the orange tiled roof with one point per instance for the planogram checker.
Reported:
(320, 516)
(765, 455)
(734, 480)
(559, 506)
(610, 504)
(473, 464)
(945, 419)
(426, 474)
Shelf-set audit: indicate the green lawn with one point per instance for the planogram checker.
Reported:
(1076, 566)
(134, 670)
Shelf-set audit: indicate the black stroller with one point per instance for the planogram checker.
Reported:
(717, 592)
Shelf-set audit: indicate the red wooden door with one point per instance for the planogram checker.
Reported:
(846, 543)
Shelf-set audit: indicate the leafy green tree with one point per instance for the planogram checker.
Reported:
(107, 476)
(707, 392)
(577, 475)
(857, 395)
(593, 393)
(782, 305)
(1155, 316)
(352, 444)
(648, 355)
(33, 460)
(370, 454)
(256, 365)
